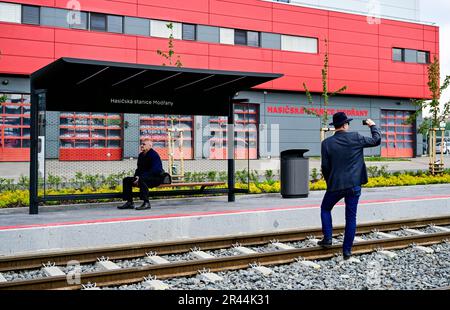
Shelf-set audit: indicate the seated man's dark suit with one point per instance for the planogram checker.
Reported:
(149, 170)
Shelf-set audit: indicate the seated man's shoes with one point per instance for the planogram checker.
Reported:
(127, 205)
(347, 255)
(145, 205)
(325, 243)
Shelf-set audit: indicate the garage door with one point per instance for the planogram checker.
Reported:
(398, 137)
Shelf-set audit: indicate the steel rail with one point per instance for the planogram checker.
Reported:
(189, 268)
(29, 261)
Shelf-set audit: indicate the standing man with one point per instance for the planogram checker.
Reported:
(344, 170)
(147, 175)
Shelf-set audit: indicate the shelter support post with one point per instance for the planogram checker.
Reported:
(34, 132)
(230, 144)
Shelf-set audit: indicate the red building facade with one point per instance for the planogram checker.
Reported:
(362, 54)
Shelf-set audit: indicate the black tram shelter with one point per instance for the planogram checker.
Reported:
(65, 85)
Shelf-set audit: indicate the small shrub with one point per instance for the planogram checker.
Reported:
(269, 177)
(212, 175)
(314, 175)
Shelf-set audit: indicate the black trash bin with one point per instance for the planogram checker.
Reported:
(294, 173)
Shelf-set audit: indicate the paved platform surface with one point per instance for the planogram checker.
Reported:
(84, 226)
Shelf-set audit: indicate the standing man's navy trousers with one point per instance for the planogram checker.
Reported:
(330, 199)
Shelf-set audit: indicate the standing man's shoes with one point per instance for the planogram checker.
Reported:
(325, 243)
(127, 205)
(347, 255)
(146, 205)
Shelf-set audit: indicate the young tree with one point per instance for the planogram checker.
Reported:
(325, 94)
(438, 114)
(170, 53)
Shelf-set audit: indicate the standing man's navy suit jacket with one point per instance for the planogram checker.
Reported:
(343, 163)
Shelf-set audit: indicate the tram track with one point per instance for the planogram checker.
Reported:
(29, 261)
(188, 268)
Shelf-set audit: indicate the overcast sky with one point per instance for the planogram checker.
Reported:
(438, 11)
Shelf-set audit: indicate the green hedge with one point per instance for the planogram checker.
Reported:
(20, 198)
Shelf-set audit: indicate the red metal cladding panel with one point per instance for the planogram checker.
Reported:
(432, 47)
(291, 69)
(95, 52)
(401, 67)
(355, 87)
(430, 36)
(355, 38)
(300, 30)
(400, 42)
(184, 47)
(188, 60)
(103, 39)
(101, 6)
(401, 78)
(242, 52)
(298, 58)
(19, 47)
(395, 89)
(240, 22)
(346, 24)
(401, 32)
(356, 62)
(237, 64)
(22, 64)
(401, 24)
(295, 83)
(360, 18)
(386, 53)
(242, 10)
(192, 5)
(348, 49)
(353, 74)
(33, 2)
(300, 18)
(172, 14)
(26, 32)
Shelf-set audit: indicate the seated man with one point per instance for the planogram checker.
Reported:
(147, 175)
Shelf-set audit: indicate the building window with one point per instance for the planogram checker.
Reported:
(98, 22)
(10, 12)
(78, 21)
(139, 26)
(30, 15)
(299, 44)
(208, 34)
(240, 37)
(410, 56)
(253, 38)
(158, 28)
(227, 36)
(189, 32)
(115, 23)
(423, 57)
(397, 54)
(54, 17)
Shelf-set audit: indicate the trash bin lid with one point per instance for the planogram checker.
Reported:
(293, 153)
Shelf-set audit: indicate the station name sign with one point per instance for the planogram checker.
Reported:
(295, 110)
(142, 101)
